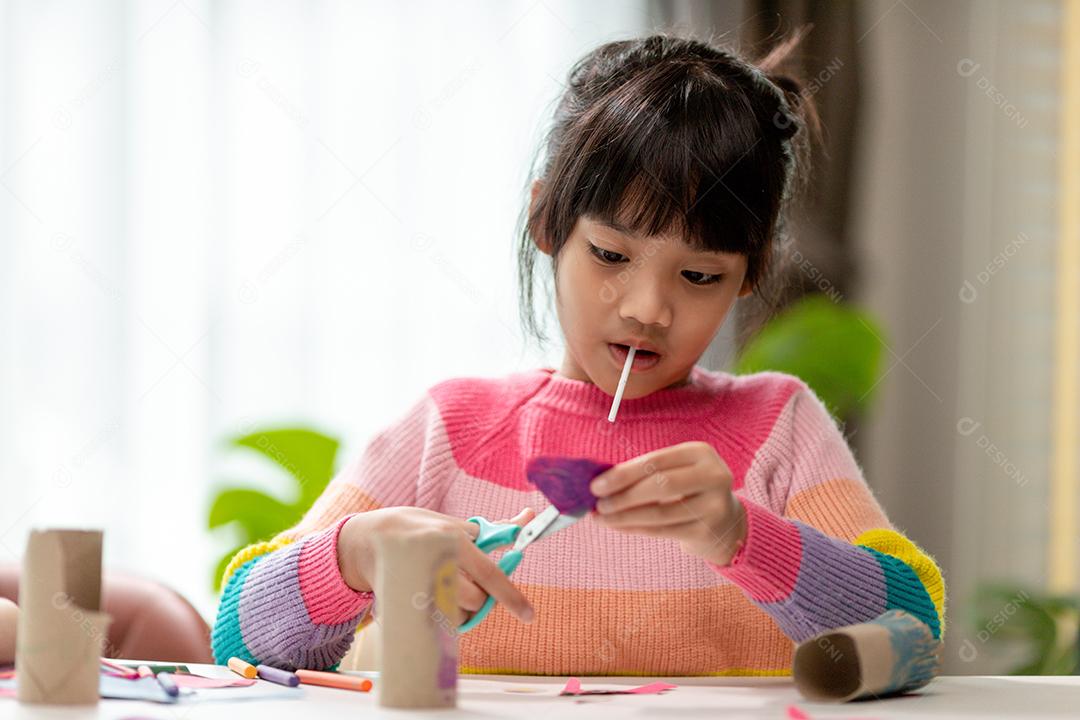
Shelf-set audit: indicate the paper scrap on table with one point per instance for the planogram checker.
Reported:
(200, 682)
(194, 688)
(794, 712)
(155, 667)
(145, 688)
(573, 687)
(111, 686)
(565, 481)
(261, 690)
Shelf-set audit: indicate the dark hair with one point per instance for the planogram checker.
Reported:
(670, 134)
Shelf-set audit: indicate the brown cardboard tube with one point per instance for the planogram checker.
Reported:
(892, 654)
(416, 605)
(61, 630)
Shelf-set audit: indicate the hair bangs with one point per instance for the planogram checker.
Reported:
(663, 153)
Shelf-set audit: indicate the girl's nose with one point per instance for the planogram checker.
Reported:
(646, 301)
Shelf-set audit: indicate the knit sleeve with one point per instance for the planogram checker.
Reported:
(290, 607)
(284, 601)
(828, 557)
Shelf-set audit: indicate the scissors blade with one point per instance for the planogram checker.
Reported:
(546, 523)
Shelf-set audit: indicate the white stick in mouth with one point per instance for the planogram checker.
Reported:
(622, 384)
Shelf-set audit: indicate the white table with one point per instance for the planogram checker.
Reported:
(496, 696)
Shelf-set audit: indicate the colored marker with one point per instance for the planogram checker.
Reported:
(277, 675)
(242, 668)
(334, 680)
(167, 684)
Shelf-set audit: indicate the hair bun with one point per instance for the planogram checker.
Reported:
(786, 119)
(797, 109)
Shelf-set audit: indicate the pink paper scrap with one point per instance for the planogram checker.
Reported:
(794, 712)
(573, 687)
(201, 682)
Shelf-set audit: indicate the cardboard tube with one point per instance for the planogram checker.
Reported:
(416, 603)
(61, 630)
(892, 654)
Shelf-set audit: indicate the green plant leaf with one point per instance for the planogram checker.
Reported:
(835, 349)
(1061, 662)
(1044, 624)
(307, 455)
(259, 514)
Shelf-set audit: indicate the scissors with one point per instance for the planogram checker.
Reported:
(496, 535)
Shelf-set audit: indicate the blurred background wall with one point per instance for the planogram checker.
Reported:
(218, 216)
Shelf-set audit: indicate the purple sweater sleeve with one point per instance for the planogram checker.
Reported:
(810, 582)
(826, 556)
(290, 607)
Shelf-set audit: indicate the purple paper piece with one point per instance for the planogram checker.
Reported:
(565, 481)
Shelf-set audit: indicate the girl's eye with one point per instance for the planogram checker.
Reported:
(613, 258)
(608, 256)
(698, 278)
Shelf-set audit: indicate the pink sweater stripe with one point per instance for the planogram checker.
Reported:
(814, 434)
(767, 565)
(328, 599)
(644, 423)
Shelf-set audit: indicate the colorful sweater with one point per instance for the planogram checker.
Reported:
(819, 552)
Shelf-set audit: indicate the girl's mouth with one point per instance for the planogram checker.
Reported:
(643, 359)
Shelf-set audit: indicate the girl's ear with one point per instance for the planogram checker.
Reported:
(746, 289)
(538, 237)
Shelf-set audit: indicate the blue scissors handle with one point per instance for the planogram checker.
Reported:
(493, 536)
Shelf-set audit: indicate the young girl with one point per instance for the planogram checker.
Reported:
(735, 522)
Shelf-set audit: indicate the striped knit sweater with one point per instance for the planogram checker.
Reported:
(819, 551)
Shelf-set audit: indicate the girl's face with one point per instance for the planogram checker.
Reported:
(656, 293)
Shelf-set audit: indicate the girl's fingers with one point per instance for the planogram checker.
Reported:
(706, 508)
(472, 530)
(485, 573)
(627, 473)
(470, 596)
(663, 486)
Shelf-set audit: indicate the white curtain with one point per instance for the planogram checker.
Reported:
(215, 216)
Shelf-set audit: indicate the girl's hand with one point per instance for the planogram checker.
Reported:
(682, 492)
(478, 575)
